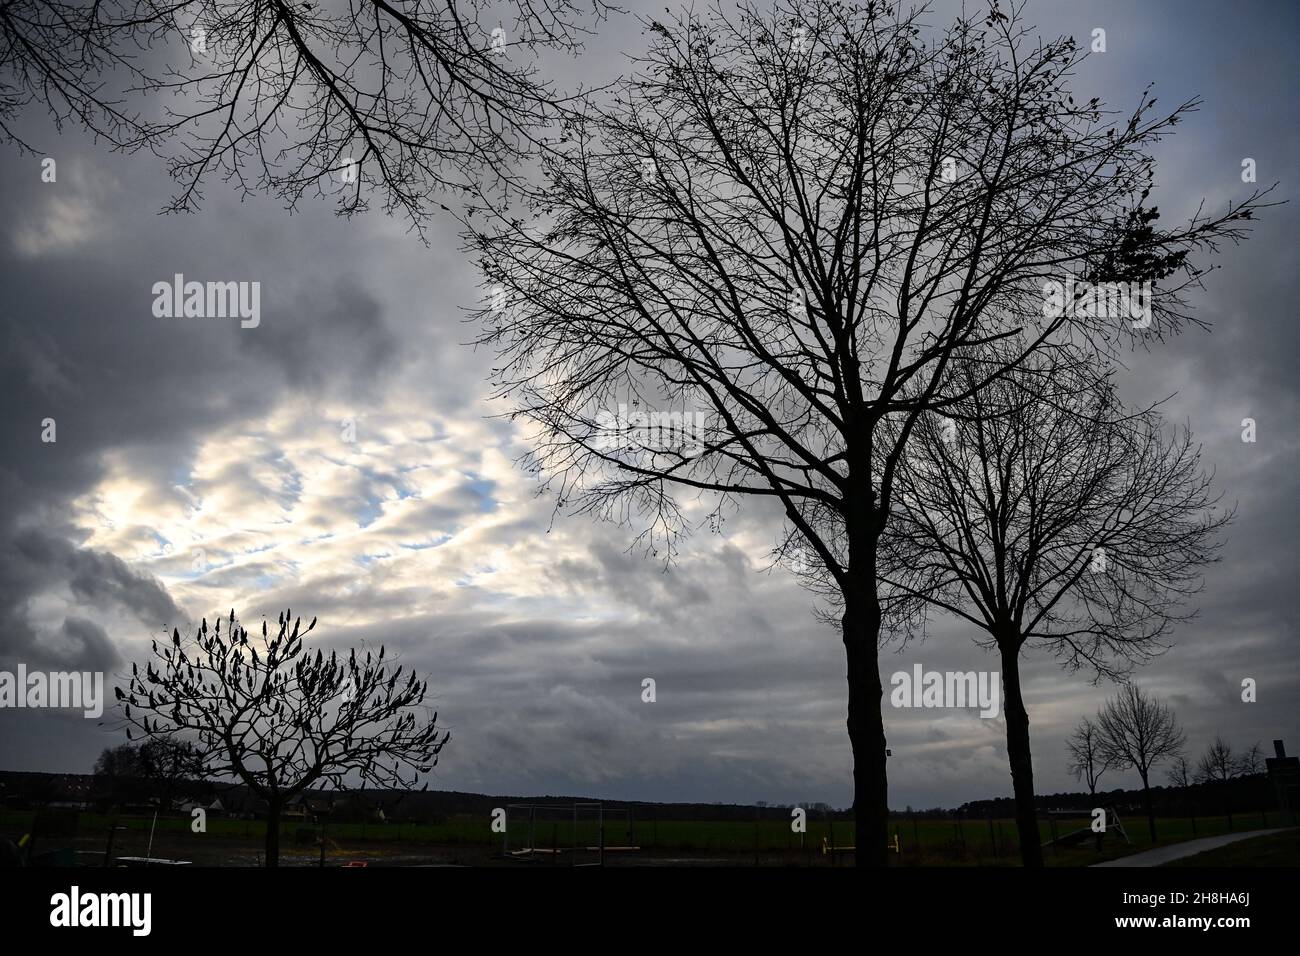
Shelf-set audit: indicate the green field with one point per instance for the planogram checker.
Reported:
(920, 843)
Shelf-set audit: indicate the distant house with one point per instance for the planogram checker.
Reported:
(214, 806)
(308, 807)
(238, 803)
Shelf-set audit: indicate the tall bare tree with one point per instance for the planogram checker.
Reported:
(791, 222)
(1044, 515)
(1140, 732)
(282, 721)
(1086, 760)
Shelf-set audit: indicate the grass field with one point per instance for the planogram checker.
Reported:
(768, 842)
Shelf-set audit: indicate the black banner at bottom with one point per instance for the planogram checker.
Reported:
(529, 905)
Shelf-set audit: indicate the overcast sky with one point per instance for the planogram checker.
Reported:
(185, 444)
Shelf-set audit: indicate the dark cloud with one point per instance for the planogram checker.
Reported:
(97, 578)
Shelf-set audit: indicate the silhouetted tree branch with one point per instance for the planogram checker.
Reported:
(410, 99)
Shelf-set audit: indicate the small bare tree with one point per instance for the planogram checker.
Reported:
(784, 229)
(167, 764)
(1180, 773)
(283, 720)
(1252, 760)
(1182, 776)
(1218, 762)
(1139, 731)
(1086, 760)
(1043, 514)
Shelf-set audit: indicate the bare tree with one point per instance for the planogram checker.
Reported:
(1086, 760)
(1181, 774)
(283, 720)
(118, 773)
(410, 99)
(788, 225)
(1139, 731)
(1043, 514)
(167, 764)
(118, 763)
(1252, 760)
(1220, 764)
(1217, 763)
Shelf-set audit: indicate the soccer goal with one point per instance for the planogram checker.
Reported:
(577, 834)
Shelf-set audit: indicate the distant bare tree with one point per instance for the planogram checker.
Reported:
(1218, 762)
(1180, 773)
(283, 720)
(167, 764)
(1217, 765)
(118, 763)
(1252, 760)
(118, 774)
(1139, 731)
(155, 767)
(1086, 760)
(1182, 776)
(1043, 514)
(793, 221)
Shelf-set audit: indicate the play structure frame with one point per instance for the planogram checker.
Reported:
(1113, 824)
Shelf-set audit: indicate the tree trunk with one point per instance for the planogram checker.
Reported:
(1146, 805)
(1018, 754)
(861, 624)
(273, 831)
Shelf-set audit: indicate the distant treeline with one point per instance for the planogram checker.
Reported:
(24, 790)
(29, 790)
(1240, 794)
